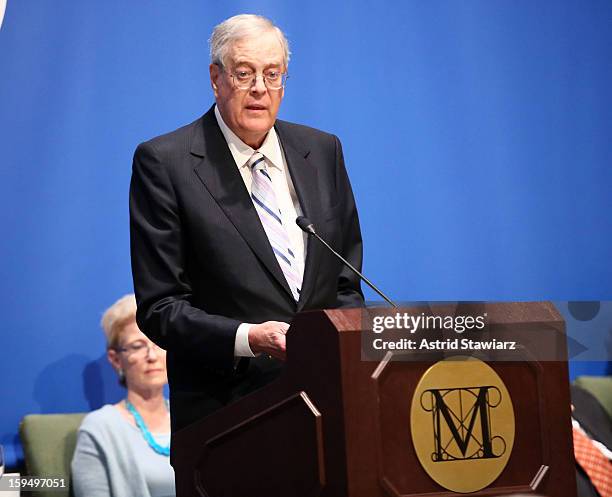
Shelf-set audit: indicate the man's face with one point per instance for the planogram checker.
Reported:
(252, 112)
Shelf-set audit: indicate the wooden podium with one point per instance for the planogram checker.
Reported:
(334, 425)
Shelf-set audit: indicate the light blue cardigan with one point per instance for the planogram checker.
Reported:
(112, 459)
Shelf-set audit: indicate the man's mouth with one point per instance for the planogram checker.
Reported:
(255, 107)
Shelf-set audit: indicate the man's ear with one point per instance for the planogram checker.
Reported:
(215, 74)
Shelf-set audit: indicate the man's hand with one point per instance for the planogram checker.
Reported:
(269, 338)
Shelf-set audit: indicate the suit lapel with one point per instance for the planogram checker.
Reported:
(218, 171)
(304, 177)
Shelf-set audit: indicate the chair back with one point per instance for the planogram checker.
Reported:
(600, 387)
(48, 443)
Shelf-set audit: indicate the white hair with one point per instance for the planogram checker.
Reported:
(116, 317)
(240, 27)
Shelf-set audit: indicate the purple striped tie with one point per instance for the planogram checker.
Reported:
(265, 203)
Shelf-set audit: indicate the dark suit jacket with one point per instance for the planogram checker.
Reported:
(202, 263)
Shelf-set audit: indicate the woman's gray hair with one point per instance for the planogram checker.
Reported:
(116, 317)
(240, 27)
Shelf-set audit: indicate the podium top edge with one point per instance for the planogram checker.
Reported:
(497, 312)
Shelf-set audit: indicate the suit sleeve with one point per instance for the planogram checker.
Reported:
(161, 282)
(349, 284)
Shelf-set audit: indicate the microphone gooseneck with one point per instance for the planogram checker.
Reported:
(306, 225)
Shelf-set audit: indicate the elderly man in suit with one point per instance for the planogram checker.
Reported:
(219, 266)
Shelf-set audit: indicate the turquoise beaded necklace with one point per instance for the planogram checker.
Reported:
(164, 451)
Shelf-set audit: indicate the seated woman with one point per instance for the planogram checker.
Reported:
(123, 449)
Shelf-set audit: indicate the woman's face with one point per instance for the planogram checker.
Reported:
(143, 362)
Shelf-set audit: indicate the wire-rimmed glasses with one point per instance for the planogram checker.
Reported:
(244, 79)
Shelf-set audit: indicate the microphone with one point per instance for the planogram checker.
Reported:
(306, 225)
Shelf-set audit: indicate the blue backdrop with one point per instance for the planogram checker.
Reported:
(476, 133)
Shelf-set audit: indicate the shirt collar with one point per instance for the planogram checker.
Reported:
(241, 152)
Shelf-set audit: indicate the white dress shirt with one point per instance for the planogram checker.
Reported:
(286, 199)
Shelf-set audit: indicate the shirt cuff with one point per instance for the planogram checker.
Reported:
(241, 344)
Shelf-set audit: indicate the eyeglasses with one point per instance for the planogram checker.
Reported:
(273, 79)
(140, 349)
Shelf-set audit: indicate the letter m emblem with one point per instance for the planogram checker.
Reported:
(461, 422)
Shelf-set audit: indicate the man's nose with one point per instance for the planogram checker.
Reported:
(259, 85)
